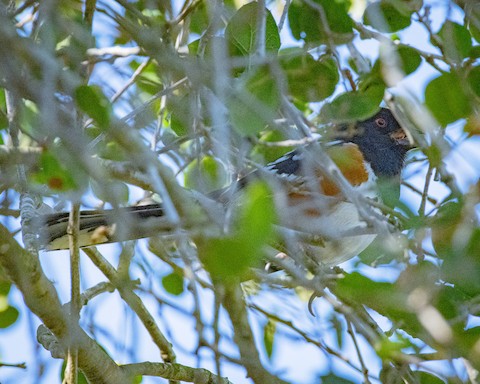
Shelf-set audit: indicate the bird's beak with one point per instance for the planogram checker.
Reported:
(403, 138)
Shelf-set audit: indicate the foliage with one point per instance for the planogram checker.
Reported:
(170, 96)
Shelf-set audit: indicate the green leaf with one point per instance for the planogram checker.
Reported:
(254, 102)
(91, 100)
(3, 114)
(352, 106)
(461, 264)
(205, 175)
(385, 17)
(8, 316)
(410, 59)
(472, 19)
(111, 150)
(149, 80)
(269, 336)
(473, 80)
(173, 283)
(114, 191)
(331, 378)
(427, 378)
(241, 31)
(387, 348)
(5, 286)
(388, 299)
(266, 154)
(308, 79)
(182, 113)
(53, 174)
(307, 23)
(81, 379)
(456, 41)
(446, 99)
(231, 256)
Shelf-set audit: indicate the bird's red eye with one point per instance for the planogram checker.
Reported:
(381, 123)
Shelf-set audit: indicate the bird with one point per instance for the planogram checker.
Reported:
(310, 202)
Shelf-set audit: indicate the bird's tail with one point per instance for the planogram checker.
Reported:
(103, 226)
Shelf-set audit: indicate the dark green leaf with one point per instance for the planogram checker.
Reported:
(473, 79)
(446, 99)
(182, 113)
(388, 299)
(410, 58)
(352, 106)
(461, 264)
(308, 24)
(241, 31)
(427, 378)
(173, 283)
(8, 316)
(331, 378)
(456, 41)
(255, 102)
(308, 79)
(385, 17)
(5, 286)
(92, 101)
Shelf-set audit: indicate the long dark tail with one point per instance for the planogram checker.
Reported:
(102, 226)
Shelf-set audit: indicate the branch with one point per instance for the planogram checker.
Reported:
(174, 372)
(41, 297)
(233, 302)
(134, 302)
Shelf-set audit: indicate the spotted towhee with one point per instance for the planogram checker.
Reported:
(311, 201)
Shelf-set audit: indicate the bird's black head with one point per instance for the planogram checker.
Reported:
(382, 141)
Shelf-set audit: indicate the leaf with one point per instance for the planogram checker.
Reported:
(232, 255)
(472, 18)
(116, 191)
(410, 59)
(91, 100)
(385, 17)
(331, 378)
(205, 175)
(182, 113)
(5, 286)
(473, 80)
(427, 378)
(456, 41)
(53, 174)
(307, 23)
(8, 316)
(254, 102)
(265, 153)
(241, 31)
(446, 99)
(269, 331)
(388, 299)
(352, 106)
(308, 79)
(173, 283)
(149, 80)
